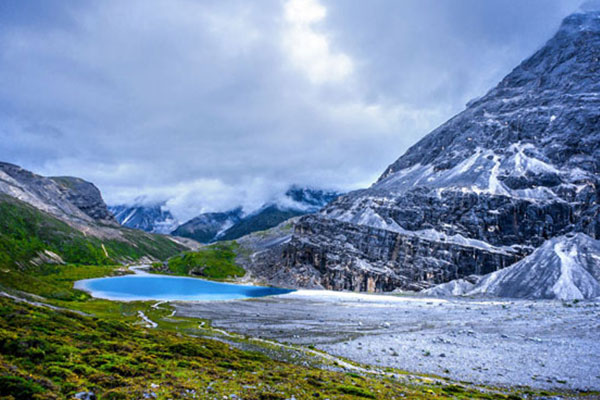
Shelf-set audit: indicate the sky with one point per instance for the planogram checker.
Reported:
(208, 105)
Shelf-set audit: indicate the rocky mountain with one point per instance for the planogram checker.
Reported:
(518, 166)
(565, 268)
(233, 224)
(86, 196)
(68, 198)
(208, 227)
(146, 217)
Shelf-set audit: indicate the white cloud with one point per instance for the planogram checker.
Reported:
(310, 50)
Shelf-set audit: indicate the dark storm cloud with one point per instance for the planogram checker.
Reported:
(212, 104)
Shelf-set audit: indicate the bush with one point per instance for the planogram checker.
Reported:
(19, 388)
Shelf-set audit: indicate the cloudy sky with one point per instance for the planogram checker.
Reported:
(211, 104)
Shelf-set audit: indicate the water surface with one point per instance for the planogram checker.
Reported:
(143, 286)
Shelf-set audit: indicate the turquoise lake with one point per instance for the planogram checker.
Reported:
(144, 286)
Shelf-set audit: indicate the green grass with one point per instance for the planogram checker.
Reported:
(216, 261)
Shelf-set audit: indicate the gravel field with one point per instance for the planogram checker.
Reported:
(541, 344)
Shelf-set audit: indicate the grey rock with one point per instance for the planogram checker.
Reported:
(564, 268)
(457, 287)
(85, 196)
(518, 166)
(85, 396)
(64, 197)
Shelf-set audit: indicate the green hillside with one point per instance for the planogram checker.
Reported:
(26, 232)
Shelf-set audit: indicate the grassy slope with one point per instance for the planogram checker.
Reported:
(49, 354)
(216, 261)
(26, 231)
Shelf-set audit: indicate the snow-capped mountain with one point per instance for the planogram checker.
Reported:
(150, 218)
(232, 224)
(518, 166)
(308, 199)
(208, 227)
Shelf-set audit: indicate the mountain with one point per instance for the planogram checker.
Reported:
(233, 224)
(308, 199)
(150, 218)
(67, 198)
(518, 166)
(565, 268)
(65, 220)
(207, 227)
(266, 217)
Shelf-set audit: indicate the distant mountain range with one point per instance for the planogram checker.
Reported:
(226, 225)
(234, 224)
(207, 227)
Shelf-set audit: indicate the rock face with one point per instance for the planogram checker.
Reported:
(65, 197)
(86, 196)
(565, 268)
(234, 224)
(518, 166)
(153, 218)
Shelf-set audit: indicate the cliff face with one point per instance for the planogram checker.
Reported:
(85, 196)
(519, 166)
(356, 257)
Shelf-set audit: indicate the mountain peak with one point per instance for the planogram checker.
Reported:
(587, 20)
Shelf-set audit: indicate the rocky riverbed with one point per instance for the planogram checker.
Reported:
(540, 344)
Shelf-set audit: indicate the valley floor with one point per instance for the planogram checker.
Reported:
(540, 344)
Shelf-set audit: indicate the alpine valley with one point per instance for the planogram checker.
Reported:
(469, 269)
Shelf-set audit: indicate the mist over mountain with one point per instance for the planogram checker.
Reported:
(235, 223)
